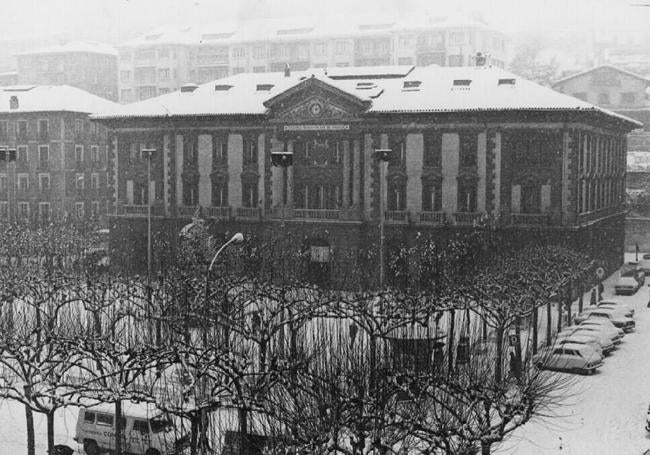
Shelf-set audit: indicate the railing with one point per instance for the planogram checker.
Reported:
(223, 213)
(186, 210)
(316, 214)
(136, 209)
(396, 216)
(587, 217)
(467, 218)
(248, 213)
(529, 219)
(432, 217)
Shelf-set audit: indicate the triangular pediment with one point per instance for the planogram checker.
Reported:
(314, 100)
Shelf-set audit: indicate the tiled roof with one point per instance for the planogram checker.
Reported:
(89, 47)
(52, 98)
(427, 89)
(628, 73)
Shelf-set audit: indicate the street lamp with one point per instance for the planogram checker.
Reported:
(235, 239)
(148, 154)
(383, 156)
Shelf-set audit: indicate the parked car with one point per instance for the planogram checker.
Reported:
(571, 357)
(605, 325)
(599, 335)
(146, 429)
(630, 279)
(581, 317)
(616, 318)
(644, 263)
(618, 306)
(586, 338)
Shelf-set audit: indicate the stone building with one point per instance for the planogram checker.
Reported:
(89, 66)
(60, 167)
(163, 60)
(465, 142)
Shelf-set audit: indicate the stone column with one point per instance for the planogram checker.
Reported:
(261, 167)
(356, 173)
(166, 162)
(277, 176)
(481, 169)
(566, 158)
(415, 158)
(179, 169)
(129, 192)
(204, 149)
(235, 167)
(497, 172)
(367, 175)
(515, 199)
(290, 178)
(346, 175)
(450, 159)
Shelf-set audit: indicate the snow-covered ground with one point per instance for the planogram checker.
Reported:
(607, 414)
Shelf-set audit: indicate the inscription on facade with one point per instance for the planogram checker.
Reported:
(316, 127)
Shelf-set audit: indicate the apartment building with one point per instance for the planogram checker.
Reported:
(164, 60)
(60, 168)
(466, 142)
(89, 66)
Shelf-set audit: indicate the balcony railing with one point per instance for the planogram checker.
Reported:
(467, 218)
(529, 219)
(432, 217)
(248, 213)
(136, 209)
(317, 214)
(396, 216)
(587, 217)
(222, 213)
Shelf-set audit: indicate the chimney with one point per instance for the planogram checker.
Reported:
(287, 71)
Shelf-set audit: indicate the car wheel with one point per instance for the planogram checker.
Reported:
(90, 447)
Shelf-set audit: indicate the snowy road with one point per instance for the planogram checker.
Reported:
(607, 414)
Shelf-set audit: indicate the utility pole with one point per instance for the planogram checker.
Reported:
(383, 156)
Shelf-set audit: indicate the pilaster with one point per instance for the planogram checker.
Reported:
(235, 168)
(450, 159)
(204, 149)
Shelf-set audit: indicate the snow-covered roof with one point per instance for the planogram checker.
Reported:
(596, 68)
(89, 47)
(422, 90)
(297, 28)
(54, 98)
(129, 409)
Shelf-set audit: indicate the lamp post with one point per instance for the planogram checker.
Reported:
(383, 156)
(148, 154)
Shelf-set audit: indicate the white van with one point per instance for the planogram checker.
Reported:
(146, 430)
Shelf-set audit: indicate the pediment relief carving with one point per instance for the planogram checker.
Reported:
(314, 109)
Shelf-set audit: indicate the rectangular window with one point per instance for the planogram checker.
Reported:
(3, 183)
(44, 217)
(467, 198)
(43, 127)
(163, 74)
(104, 419)
(468, 149)
(320, 49)
(79, 182)
(249, 194)
(3, 129)
(94, 153)
(23, 210)
(43, 155)
(239, 52)
(530, 199)
(21, 154)
(259, 52)
(78, 126)
(21, 129)
(4, 210)
(432, 150)
(220, 194)
(44, 183)
(190, 194)
(94, 207)
(79, 155)
(89, 417)
(219, 151)
(79, 210)
(432, 196)
(396, 193)
(125, 76)
(94, 181)
(398, 151)
(23, 183)
(250, 151)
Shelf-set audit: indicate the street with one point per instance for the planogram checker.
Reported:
(607, 414)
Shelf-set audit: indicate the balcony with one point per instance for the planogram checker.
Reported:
(529, 219)
(222, 213)
(467, 218)
(248, 213)
(317, 214)
(396, 216)
(432, 218)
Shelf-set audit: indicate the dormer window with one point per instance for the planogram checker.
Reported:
(462, 82)
(411, 85)
(510, 81)
(264, 87)
(366, 85)
(222, 87)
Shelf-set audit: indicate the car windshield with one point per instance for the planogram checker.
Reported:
(160, 424)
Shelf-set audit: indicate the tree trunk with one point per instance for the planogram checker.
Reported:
(450, 342)
(50, 432)
(518, 336)
(548, 323)
(118, 427)
(194, 432)
(243, 430)
(559, 316)
(29, 417)
(485, 448)
(535, 317)
(580, 300)
(498, 367)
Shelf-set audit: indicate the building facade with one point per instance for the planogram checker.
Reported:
(90, 66)
(60, 169)
(465, 143)
(164, 60)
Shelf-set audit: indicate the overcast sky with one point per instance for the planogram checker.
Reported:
(116, 20)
